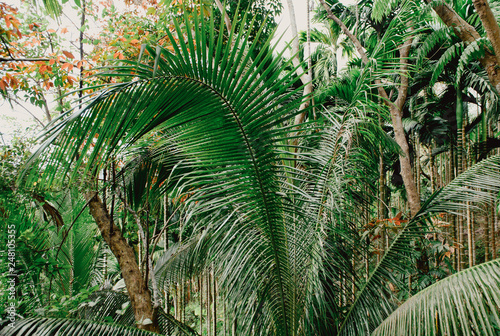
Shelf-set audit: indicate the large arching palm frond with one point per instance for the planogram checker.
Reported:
(47, 326)
(105, 305)
(466, 303)
(215, 103)
(477, 185)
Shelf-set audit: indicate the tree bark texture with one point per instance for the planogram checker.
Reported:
(490, 25)
(468, 34)
(139, 294)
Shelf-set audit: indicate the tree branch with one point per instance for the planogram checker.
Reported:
(7, 60)
(394, 108)
(222, 10)
(468, 34)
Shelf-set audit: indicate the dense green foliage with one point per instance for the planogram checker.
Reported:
(241, 220)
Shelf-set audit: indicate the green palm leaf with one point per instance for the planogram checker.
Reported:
(116, 306)
(466, 303)
(219, 107)
(477, 185)
(46, 326)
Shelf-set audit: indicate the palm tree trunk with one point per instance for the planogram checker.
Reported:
(209, 299)
(82, 25)
(418, 168)
(382, 213)
(200, 289)
(452, 219)
(486, 235)
(234, 327)
(224, 314)
(490, 25)
(493, 230)
(470, 236)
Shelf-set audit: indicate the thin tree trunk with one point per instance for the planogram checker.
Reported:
(222, 10)
(214, 303)
(209, 299)
(493, 230)
(165, 238)
(382, 213)
(367, 258)
(418, 168)
(200, 288)
(486, 234)
(450, 170)
(470, 236)
(382, 208)
(460, 169)
(235, 326)
(82, 25)
(224, 314)
(305, 77)
(138, 291)
(490, 25)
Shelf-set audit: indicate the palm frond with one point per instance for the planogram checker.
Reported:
(115, 306)
(472, 52)
(479, 184)
(69, 327)
(431, 41)
(382, 8)
(450, 53)
(466, 303)
(215, 103)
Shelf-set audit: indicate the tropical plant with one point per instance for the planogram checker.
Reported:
(269, 207)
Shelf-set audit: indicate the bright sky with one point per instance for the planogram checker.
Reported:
(17, 121)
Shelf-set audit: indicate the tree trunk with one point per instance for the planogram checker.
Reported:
(470, 236)
(214, 303)
(486, 235)
(305, 77)
(140, 297)
(209, 300)
(82, 27)
(493, 230)
(223, 12)
(490, 25)
(234, 328)
(200, 291)
(460, 168)
(468, 34)
(394, 108)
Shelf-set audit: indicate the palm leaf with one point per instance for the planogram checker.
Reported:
(218, 106)
(472, 52)
(466, 303)
(476, 185)
(116, 306)
(450, 53)
(47, 326)
(431, 41)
